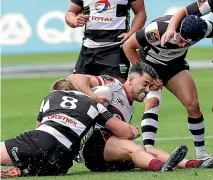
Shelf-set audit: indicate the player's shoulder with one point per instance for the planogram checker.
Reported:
(152, 33)
(156, 29)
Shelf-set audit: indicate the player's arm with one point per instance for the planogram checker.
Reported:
(119, 128)
(84, 83)
(138, 20)
(140, 15)
(132, 44)
(197, 8)
(73, 17)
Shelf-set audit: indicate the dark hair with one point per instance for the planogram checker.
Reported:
(62, 84)
(193, 28)
(141, 67)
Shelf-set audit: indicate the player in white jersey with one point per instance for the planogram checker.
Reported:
(198, 8)
(169, 62)
(110, 153)
(106, 28)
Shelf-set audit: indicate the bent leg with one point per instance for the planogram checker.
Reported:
(120, 149)
(183, 87)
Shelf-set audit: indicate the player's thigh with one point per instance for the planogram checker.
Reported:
(5, 158)
(183, 87)
(120, 149)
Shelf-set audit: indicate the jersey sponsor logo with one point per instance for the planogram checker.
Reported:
(153, 36)
(101, 19)
(64, 118)
(120, 101)
(102, 5)
(87, 136)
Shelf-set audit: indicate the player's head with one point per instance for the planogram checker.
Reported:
(140, 78)
(62, 84)
(191, 30)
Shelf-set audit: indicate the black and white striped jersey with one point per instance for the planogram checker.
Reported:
(149, 39)
(70, 116)
(200, 7)
(121, 105)
(107, 20)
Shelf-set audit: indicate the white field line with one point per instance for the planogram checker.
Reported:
(173, 138)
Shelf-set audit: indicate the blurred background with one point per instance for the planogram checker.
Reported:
(37, 47)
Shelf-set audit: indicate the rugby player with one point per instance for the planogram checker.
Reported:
(198, 8)
(67, 121)
(105, 152)
(106, 28)
(169, 62)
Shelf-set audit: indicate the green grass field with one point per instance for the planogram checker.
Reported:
(194, 54)
(21, 99)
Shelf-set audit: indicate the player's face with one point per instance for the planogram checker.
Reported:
(181, 41)
(141, 86)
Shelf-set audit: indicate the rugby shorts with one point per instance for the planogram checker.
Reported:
(109, 60)
(93, 154)
(39, 153)
(166, 72)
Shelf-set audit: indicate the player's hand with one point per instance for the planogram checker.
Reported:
(124, 37)
(81, 19)
(157, 84)
(167, 36)
(101, 99)
(135, 131)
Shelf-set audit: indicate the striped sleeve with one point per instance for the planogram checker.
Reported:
(78, 2)
(104, 115)
(200, 8)
(40, 116)
(209, 33)
(141, 38)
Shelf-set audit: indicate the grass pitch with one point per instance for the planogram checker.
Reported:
(21, 99)
(195, 53)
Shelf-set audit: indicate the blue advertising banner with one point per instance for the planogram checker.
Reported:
(38, 26)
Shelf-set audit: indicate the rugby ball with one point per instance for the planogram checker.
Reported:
(104, 91)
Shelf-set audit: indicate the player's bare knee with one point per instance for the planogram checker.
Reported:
(191, 104)
(137, 148)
